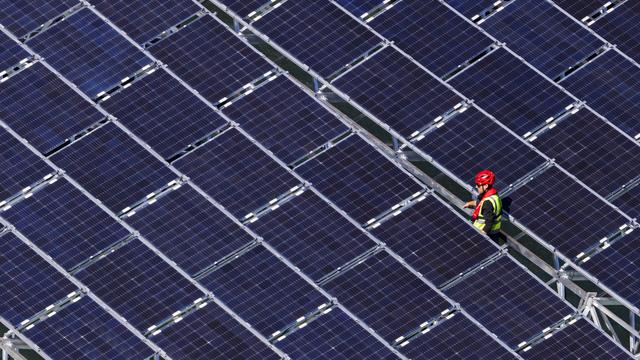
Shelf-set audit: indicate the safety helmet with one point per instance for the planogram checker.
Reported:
(485, 177)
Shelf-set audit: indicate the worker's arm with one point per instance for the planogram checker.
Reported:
(470, 204)
(487, 213)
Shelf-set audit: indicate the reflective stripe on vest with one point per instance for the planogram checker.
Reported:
(497, 211)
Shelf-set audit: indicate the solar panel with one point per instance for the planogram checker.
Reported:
(89, 52)
(210, 58)
(432, 34)
(628, 203)
(617, 26)
(312, 235)
(580, 9)
(318, 33)
(509, 301)
(85, 331)
(510, 91)
(387, 296)
(29, 283)
(22, 16)
(542, 35)
(245, 7)
(433, 242)
(10, 52)
(236, 173)
(359, 7)
(564, 222)
(19, 165)
(189, 229)
(610, 85)
(150, 18)
(163, 113)
(43, 109)
(113, 167)
(578, 341)
(397, 91)
(470, 142)
(334, 336)
(65, 224)
(470, 8)
(285, 120)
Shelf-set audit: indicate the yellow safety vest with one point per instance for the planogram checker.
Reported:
(497, 211)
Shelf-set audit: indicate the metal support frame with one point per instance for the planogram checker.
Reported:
(18, 68)
(601, 12)
(174, 29)
(493, 9)
(583, 62)
(51, 23)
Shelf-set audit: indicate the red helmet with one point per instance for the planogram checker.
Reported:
(485, 177)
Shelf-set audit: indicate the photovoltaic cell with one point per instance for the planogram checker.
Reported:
(86, 331)
(456, 339)
(334, 336)
(245, 7)
(470, 142)
(628, 202)
(387, 296)
(283, 118)
(210, 333)
(210, 58)
(318, 33)
(433, 241)
(113, 167)
(510, 302)
(236, 173)
(163, 113)
(432, 34)
(10, 52)
(397, 91)
(620, 27)
(89, 52)
(611, 86)
(578, 341)
(542, 35)
(22, 16)
(592, 150)
(264, 291)
(312, 235)
(565, 222)
(189, 229)
(43, 109)
(20, 167)
(511, 92)
(65, 224)
(359, 7)
(142, 19)
(139, 285)
(582, 8)
(29, 283)
(358, 179)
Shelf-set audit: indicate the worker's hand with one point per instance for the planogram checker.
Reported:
(470, 204)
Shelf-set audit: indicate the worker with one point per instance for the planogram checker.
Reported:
(487, 215)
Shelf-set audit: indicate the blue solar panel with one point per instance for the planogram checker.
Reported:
(334, 336)
(510, 91)
(387, 296)
(163, 113)
(89, 52)
(318, 33)
(434, 242)
(470, 8)
(86, 331)
(620, 27)
(509, 301)
(210, 58)
(456, 339)
(245, 7)
(22, 16)
(264, 291)
(359, 7)
(20, 166)
(628, 202)
(470, 142)
(113, 167)
(592, 150)
(283, 118)
(611, 86)
(65, 224)
(210, 333)
(10, 52)
(236, 173)
(578, 341)
(189, 229)
(143, 19)
(542, 35)
(432, 34)
(43, 109)
(358, 179)
(582, 8)
(565, 222)
(139, 285)
(29, 283)
(397, 91)
(312, 235)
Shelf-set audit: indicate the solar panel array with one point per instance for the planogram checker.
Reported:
(169, 191)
